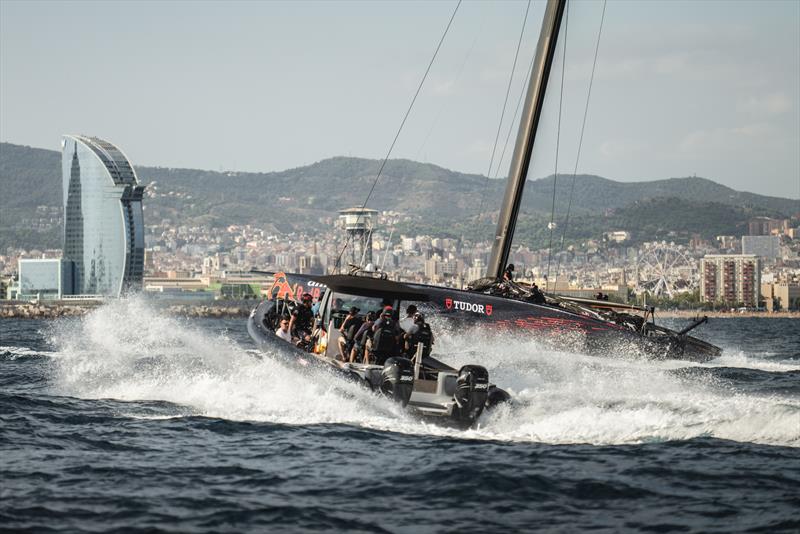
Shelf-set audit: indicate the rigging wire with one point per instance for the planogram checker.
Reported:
(502, 116)
(580, 141)
(514, 118)
(552, 224)
(337, 265)
(444, 107)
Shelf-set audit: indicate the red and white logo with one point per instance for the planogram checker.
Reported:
(468, 306)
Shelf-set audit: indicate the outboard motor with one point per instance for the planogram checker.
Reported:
(397, 379)
(472, 388)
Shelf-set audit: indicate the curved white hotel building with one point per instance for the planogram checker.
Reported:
(103, 225)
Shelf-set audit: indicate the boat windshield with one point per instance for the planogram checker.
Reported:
(342, 302)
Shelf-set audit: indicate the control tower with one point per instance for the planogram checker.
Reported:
(359, 223)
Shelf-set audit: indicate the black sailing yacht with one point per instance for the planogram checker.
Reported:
(427, 385)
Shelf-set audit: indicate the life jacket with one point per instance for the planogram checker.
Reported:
(424, 336)
(383, 340)
(304, 318)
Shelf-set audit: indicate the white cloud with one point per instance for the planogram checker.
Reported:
(766, 104)
(622, 148)
(716, 141)
(443, 87)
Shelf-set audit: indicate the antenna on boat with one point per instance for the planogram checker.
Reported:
(531, 113)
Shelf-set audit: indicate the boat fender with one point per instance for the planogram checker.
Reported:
(472, 390)
(397, 379)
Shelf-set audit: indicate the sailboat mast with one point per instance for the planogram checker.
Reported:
(531, 113)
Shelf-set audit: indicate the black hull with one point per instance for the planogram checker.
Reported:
(556, 326)
(447, 413)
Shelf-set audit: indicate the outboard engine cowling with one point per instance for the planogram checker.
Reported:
(397, 379)
(472, 388)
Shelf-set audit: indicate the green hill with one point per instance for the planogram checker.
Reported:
(440, 200)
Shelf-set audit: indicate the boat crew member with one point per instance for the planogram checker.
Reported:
(508, 274)
(386, 336)
(302, 320)
(407, 322)
(347, 332)
(360, 350)
(283, 330)
(319, 338)
(422, 334)
(536, 295)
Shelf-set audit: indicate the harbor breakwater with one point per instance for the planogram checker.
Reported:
(52, 310)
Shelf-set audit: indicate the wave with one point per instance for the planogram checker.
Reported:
(128, 351)
(13, 352)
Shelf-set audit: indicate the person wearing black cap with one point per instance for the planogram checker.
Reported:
(386, 337)
(347, 332)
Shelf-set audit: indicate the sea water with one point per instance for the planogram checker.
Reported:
(131, 419)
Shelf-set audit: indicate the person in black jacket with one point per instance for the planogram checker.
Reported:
(302, 321)
(386, 336)
(508, 274)
(347, 332)
(421, 335)
(362, 340)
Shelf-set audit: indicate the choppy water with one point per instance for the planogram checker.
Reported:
(128, 419)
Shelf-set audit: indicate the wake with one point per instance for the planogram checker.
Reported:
(128, 351)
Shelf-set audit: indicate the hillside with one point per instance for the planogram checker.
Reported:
(439, 199)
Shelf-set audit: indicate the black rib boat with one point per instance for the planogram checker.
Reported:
(424, 384)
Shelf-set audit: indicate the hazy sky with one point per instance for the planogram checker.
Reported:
(682, 88)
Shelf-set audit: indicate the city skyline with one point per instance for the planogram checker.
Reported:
(266, 87)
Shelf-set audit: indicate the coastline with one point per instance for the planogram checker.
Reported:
(241, 308)
(53, 310)
(691, 314)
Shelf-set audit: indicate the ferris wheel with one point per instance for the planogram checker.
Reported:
(664, 268)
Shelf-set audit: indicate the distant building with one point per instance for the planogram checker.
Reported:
(728, 242)
(764, 246)
(103, 224)
(618, 236)
(46, 279)
(730, 279)
(781, 296)
(767, 226)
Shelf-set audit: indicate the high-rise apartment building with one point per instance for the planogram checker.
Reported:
(764, 246)
(730, 278)
(103, 225)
